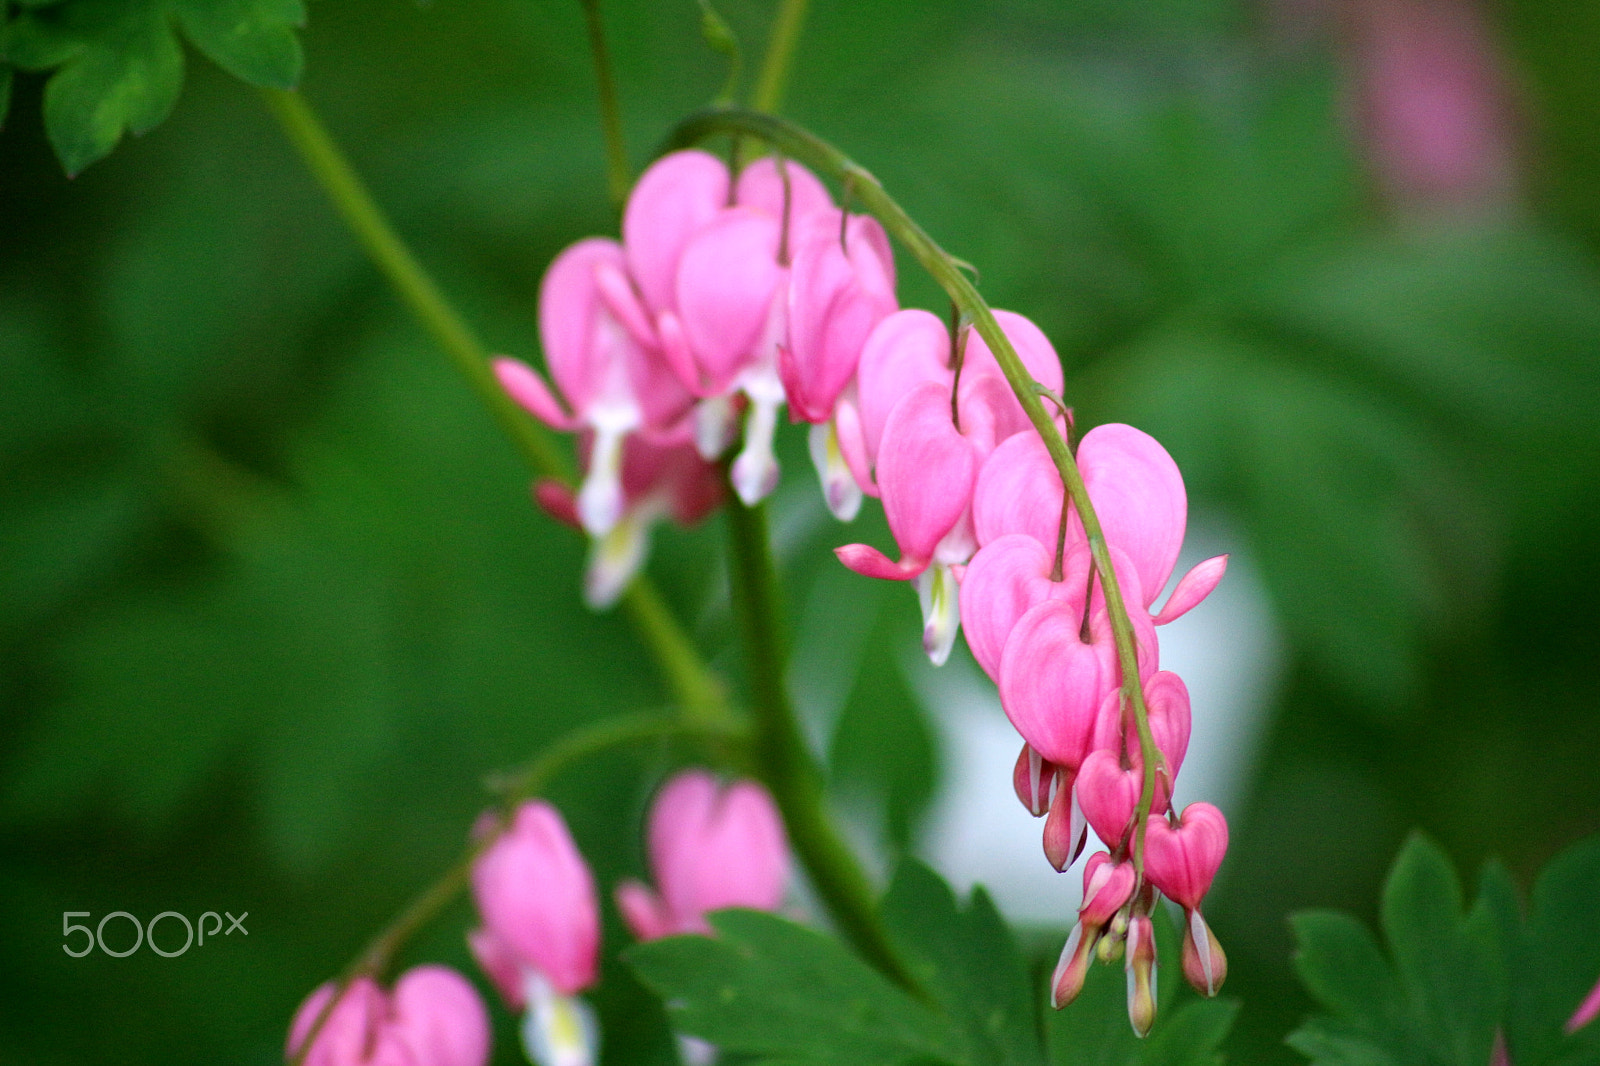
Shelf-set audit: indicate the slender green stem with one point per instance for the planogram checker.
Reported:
(802, 145)
(781, 46)
(697, 691)
(782, 757)
(375, 960)
(618, 176)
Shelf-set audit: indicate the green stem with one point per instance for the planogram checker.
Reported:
(806, 147)
(524, 784)
(618, 176)
(780, 52)
(782, 757)
(697, 691)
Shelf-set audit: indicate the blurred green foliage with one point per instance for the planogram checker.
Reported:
(273, 600)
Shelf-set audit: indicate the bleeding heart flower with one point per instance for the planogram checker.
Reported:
(712, 846)
(1181, 860)
(432, 1018)
(1004, 580)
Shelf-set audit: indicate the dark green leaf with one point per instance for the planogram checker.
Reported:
(1340, 964)
(5, 93)
(778, 992)
(253, 40)
(1556, 961)
(968, 962)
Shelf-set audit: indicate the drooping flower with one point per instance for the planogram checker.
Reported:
(433, 1017)
(540, 938)
(712, 845)
(1181, 860)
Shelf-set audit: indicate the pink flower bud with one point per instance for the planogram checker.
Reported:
(1195, 586)
(538, 904)
(1107, 886)
(432, 1018)
(1065, 829)
(1181, 860)
(711, 846)
(1205, 966)
(727, 278)
(1109, 795)
(1166, 700)
(1035, 780)
(1141, 968)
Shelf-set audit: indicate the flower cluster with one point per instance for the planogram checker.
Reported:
(729, 299)
(712, 845)
(725, 301)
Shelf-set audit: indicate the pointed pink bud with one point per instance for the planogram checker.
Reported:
(558, 501)
(1139, 497)
(711, 846)
(438, 1016)
(670, 202)
(1003, 582)
(1065, 829)
(537, 897)
(643, 910)
(768, 183)
(1019, 491)
(925, 471)
(727, 278)
(1195, 586)
(841, 285)
(525, 386)
(1052, 683)
(1586, 1012)
(1141, 968)
(1181, 860)
(1205, 966)
(1109, 795)
(1034, 779)
(1073, 968)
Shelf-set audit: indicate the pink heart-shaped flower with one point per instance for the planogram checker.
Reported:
(1003, 582)
(1181, 860)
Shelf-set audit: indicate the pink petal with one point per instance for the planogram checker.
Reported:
(713, 847)
(1108, 794)
(674, 351)
(870, 562)
(726, 281)
(500, 964)
(990, 414)
(1033, 779)
(904, 350)
(1003, 581)
(582, 341)
(1019, 491)
(925, 471)
(558, 501)
(1586, 1012)
(671, 201)
(1065, 830)
(1138, 495)
(1194, 586)
(643, 911)
(1051, 683)
(1182, 861)
(347, 1031)
(761, 185)
(1037, 353)
(847, 429)
(835, 300)
(440, 1019)
(525, 386)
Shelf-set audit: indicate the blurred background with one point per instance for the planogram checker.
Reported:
(273, 599)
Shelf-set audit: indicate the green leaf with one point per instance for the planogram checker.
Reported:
(1554, 961)
(124, 76)
(253, 40)
(968, 962)
(778, 992)
(1438, 998)
(5, 94)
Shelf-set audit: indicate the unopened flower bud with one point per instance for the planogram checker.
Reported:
(1073, 969)
(1065, 830)
(1034, 778)
(1141, 969)
(1586, 1012)
(1204, 964)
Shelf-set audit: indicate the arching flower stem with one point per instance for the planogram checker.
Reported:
(805, 147)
